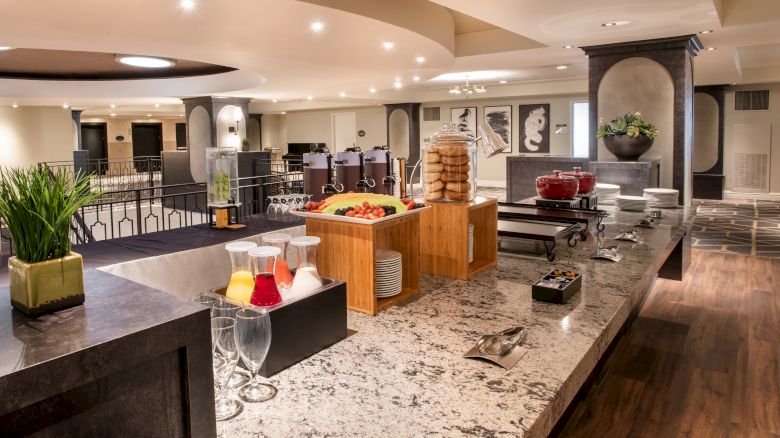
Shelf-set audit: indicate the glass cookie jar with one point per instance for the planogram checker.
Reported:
(449, 165)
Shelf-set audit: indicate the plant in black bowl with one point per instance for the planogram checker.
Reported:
(628, 136)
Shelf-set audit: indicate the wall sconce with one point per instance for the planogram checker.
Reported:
(237, 116)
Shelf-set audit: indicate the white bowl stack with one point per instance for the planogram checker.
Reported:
(662, 198)
(630, 203)
(607, 193)
(471, 243)
(389, 273)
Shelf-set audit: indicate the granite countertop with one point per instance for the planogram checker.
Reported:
(403, 372)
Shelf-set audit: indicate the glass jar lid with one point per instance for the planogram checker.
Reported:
(265, 251)
(240, 246)
(305, 241)
(450, 134)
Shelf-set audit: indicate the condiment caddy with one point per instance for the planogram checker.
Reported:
(558, 286)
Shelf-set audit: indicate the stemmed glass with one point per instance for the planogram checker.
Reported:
(223, 338)
(253, 336)
(228, 309)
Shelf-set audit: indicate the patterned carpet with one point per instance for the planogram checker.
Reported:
(741, 227)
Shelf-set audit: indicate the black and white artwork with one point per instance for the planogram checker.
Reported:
(500, 120)
(465, 119)
(535, 128)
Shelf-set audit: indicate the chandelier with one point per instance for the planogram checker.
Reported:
(467, 88)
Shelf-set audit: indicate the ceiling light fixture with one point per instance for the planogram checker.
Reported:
(148, 115)
(65, 105)
(4, 48)
(710, 49)
(187, 4)
(416, 79)
(156, 105)
(467, 88)
(502, 82)
(309, 97)
(420, 59)
(113, 114)
(317, 26)
(113, 105)
(561, 67)
(372, 90)
(274, 100)
(616, 23)
(398, 85)
(342, 94)
(568, 46)
(705, 32)
(15, 105)
(284, 112)
(145, 61)
(388, 45)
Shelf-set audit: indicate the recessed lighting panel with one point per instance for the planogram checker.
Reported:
(710, 49)
(274, 100)
(420, 59)
(113, 114)
(145, 61)
(502, 82)
(317, 26)
(342, 94)
(113, 105)
(309, 97)
(616, 23)
(705, 32)
(156, 105)
(148, 115)
(65, 105)
(568, 46)
(187, 5)
(561, 67)
(398, 84)
(14, 106)
(4, 48)
(416, 79)
(372, 90)
(388, 45)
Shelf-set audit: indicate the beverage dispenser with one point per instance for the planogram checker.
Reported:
(316, 172)
(348, 169)
(379, 167)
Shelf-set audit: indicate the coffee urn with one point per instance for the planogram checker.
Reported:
(347, 166)
(379, 167)
(317, 172)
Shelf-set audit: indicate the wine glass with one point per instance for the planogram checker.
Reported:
(253, 336)
(228, 309)
(223, 339)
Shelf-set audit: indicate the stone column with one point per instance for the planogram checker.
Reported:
(675, 55)
(412, 111)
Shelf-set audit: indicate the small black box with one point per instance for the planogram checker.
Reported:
(589, 201)
(305, 327)
(555, 295)
(557, 203)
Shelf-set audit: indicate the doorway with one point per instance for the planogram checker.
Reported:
(94, 139)
(147, 142)
(344, 131)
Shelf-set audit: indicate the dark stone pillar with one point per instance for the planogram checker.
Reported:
(709, 184)
(76, 116)
(676, 55)
(412, 111)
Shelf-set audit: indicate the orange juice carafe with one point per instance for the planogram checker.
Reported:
(282, 273)
(242, 282)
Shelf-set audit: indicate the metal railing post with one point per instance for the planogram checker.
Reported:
(139, 226)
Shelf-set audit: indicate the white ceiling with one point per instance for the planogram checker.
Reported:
(279, 57)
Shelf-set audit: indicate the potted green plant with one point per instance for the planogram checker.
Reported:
(37, 206)
(628, 136)
(245, 145)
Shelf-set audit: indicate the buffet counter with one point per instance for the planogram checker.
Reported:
(403, 372)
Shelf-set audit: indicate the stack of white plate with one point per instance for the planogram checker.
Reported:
(630, 203)
(607, 193)
(471, 243)
(389, 273)
(662, 198)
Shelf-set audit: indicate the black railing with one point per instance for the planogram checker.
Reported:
(114, 175)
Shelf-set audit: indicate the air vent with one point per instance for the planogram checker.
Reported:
(432, 114)
(751, 172)
(751, 100)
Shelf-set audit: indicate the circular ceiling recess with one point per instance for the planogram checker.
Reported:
(92, 66)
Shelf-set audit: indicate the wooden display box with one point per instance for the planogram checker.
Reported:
(346, 252)
(444, 237)
(554, 295)
(305, 327)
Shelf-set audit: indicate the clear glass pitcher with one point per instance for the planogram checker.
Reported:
(282, 270)
(242, 282)
(265, 292)
(306, 278)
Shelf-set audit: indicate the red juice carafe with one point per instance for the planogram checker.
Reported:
(263, 263)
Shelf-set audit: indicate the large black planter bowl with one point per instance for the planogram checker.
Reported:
(627, 148)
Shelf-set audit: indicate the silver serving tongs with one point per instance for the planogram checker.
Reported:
(499, 344)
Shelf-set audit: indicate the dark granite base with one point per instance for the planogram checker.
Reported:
(632, 176)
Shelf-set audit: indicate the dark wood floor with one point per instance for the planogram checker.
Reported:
(702, 359)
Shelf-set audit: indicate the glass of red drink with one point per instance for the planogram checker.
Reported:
(263, 262)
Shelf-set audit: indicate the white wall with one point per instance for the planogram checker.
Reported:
(29, 135)
(772, 117)
(316, 126)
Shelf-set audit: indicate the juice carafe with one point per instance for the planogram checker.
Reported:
(282, 270)
(263, 261)
(306, 279)
(242, 282)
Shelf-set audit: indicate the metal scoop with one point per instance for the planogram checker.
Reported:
(499, 344)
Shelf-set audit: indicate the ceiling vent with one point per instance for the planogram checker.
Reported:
(751, 100)
(431, 114)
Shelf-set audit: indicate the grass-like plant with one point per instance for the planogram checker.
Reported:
(37, 206)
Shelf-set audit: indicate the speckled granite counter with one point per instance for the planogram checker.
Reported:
(403, 373)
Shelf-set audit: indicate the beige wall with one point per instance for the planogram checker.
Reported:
(316, 126)
(771, 117)
(274, 129)
(122, 150)
(29, 135)
(494, 169)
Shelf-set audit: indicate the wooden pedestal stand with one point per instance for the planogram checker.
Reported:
(346, 252)
(444, 234)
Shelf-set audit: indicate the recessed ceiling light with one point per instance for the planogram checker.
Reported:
(4, 48)
(705, 32)
(416, 78)
(420, 59)
(113, 114)
(15, 105)
(274, 100)
(561, 67)
(309, 97)
(502, 82)
(372, 90)
(156, 105)
(113, 105)
(148, 115)
(317, 26)
(65, 105)
(284, 112)
(342, 94)
(388, 45)
(187, 4)
(181, 115)
(145, 61)
(397, 85)
(616, 23)
(710, 49)
(568, 46)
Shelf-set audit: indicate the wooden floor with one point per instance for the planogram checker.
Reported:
(702, 359)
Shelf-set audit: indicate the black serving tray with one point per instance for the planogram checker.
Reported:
(306, 326)
(557, 296)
